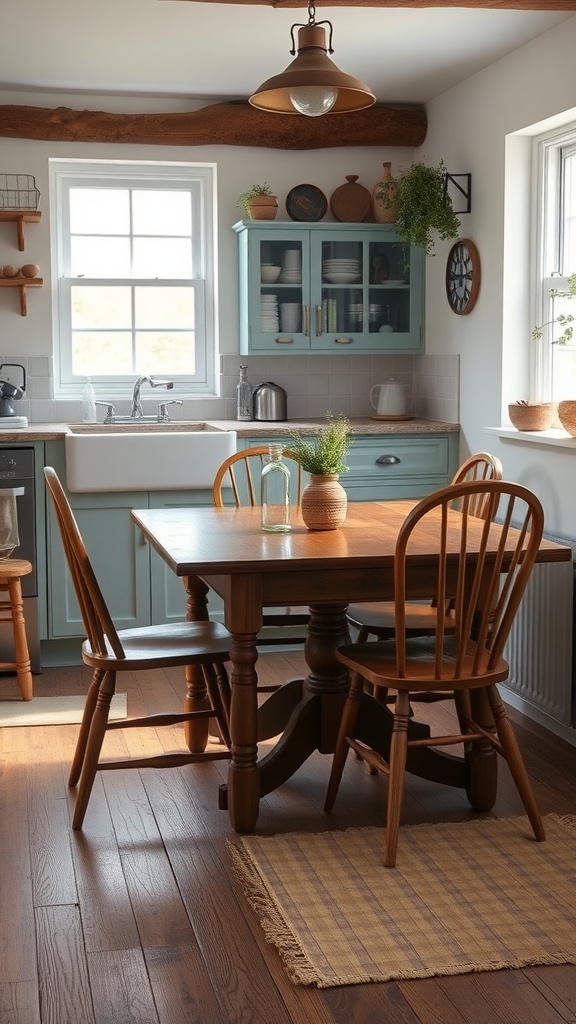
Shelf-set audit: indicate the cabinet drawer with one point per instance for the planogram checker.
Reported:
(395, 458)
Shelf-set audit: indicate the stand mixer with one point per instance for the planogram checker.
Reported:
(10, 393)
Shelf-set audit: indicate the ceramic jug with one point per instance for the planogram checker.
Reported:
(389, 399)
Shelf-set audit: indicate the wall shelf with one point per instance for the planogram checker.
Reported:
(22, 283)
(20, 218)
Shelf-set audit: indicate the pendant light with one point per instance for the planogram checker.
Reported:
(312, 84)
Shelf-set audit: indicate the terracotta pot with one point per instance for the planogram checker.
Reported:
(324, 502)
(262, 208)
(567, 416)
(533, 416)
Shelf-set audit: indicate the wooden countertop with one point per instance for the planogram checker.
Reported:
(360, 425)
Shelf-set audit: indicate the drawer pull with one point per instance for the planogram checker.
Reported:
(342, 341)
(284, 341)
(388, 460)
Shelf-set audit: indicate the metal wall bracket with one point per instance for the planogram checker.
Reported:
(459, 188)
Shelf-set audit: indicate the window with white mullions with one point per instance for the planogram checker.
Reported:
(135, 260)
(555, 363)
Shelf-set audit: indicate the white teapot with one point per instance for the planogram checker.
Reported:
(391, 398)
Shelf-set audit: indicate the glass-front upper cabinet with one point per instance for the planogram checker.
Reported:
(342, 288)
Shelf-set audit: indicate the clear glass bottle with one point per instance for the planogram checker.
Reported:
(275, 493)
(243, 396)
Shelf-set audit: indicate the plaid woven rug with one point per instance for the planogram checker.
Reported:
(477, 896)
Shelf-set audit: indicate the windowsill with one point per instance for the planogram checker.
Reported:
(555, 438)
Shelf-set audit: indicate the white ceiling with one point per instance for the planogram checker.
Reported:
(168, 48)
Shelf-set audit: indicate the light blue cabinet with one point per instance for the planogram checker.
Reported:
(392, 466)
(138, 586)
(346, 288)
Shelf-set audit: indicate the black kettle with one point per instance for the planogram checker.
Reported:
(9, 392)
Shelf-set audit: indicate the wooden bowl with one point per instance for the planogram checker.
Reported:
(533, 416)
(567, 416)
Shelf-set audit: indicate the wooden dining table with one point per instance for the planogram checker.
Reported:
(224, 549)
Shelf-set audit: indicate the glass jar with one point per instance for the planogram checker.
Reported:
(275, 492)
(243, 396)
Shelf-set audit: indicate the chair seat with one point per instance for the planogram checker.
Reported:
(378, 618)
(178, 643)
(377, 663)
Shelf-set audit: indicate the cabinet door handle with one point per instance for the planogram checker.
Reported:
(318, 320)
(343, 341)
(388, 460)
(284, 341)
(306, 319)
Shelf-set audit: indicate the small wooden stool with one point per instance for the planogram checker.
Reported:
(12, 610)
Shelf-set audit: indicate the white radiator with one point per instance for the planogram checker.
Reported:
(539, 648)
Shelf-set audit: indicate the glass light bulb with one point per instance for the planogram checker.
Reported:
(313, 100)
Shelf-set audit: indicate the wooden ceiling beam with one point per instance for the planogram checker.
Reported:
(235, 123)
(490, 5)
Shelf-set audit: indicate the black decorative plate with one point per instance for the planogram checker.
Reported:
(306, 202)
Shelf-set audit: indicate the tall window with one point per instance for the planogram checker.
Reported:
(555, 363)
(134, 259)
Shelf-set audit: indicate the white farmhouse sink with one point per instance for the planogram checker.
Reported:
(104, 459)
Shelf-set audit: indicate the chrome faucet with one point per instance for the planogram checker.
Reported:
(137, 411)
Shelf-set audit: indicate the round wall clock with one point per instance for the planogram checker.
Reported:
(462, 276)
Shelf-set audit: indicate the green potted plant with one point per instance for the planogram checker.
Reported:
(324, 500)
(258, 203)
(424, 209)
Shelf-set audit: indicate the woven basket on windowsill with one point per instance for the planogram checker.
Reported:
(567, 416)
(533, 416)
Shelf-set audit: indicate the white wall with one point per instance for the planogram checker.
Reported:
(468, 127)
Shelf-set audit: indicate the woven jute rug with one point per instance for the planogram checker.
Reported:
(477, 896)
(52, 710)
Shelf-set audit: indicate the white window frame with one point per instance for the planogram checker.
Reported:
(547, 261)
(200, 179)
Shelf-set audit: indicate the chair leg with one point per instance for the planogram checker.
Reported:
(347, 722)
(21, 653)
(214, 686)
(511, 749)
(93, 747)
(82, 740)
(397, 763)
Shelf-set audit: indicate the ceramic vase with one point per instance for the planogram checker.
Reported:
(324, 502)
(385, 197)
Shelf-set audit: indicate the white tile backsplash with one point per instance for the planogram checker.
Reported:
(315, 385)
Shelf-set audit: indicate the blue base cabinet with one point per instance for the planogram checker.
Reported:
(343, 288)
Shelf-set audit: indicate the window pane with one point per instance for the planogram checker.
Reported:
(167, 353)
(164, 307)
(101, 353)
(162, 257)
(100, 211)
(101, 307)
(569, 266)
(158, 212)
(99, 257)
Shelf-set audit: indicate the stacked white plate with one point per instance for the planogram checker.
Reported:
(291, 272)
(341, 271)
(269, 313)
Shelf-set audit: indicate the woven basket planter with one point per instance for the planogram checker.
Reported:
(567, 416)
(536, 416)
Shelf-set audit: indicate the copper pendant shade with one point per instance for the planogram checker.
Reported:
(312, 84)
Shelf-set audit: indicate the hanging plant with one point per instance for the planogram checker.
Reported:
(424, 208)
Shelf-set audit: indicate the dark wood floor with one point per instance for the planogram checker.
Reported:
(138, 921)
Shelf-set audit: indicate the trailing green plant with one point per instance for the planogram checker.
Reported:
(326, 452)
(564, 319)
(244, 198)
(424, 207)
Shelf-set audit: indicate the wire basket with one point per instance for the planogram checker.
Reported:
(18, 192)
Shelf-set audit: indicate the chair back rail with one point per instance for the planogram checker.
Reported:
(242, 473)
